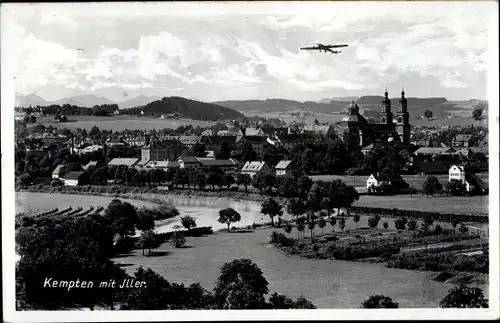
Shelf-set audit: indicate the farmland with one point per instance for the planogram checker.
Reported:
(120, 123)
(39, 202)
(440, 204)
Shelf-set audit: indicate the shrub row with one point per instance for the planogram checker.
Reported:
(440, 262)
(413, 214)
(362, 251)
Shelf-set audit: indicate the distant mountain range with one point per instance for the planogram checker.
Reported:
(87, 100)
(369, 105)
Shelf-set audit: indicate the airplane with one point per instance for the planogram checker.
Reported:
(325, 48)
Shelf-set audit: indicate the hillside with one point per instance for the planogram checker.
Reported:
(281, 105)
(138, 101)
(190, 109)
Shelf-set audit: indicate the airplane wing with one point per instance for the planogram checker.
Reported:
(308, 48)
(335, 46)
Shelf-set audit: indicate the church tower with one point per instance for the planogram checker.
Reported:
(386, 114)
(403, 120)
(353, 130)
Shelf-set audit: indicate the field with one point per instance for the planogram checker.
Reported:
(39, 202)
(328, 284)
(415, 181)
(120, 123)
(442, 204)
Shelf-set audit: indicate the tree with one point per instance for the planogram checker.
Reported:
(463, 229)
(477, 114)
(279, 301)
(24, 180)
(428, 220)
(454, 223)
(288, 228)
(411, 225)
(342, 224)
(149, 240)
(178, 239)
(201, 180)
(432, 186)
(229, 216)
(333, 222)
(224, 151)
(304, 185)
(241, 285)
(300, 226)
(214, 180)
(188, 222)
(373, 221)
(379, 301)
(322, 224)
(478, 110)
(145, 220)
(428, 114)
(464, 297)
(245, 180)
(123, 215)
(386, 225)
(456, 187)
(272, 208)
(228, 180)
(356, 219)
(398, 224)
(311, 225)
(295, 207)
(258, 182)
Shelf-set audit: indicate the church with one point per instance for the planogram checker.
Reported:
(359, 133)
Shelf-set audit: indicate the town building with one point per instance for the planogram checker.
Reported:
(316, 129)
(471, 181)
(359, 133)
(90, 164)
(286, 168)
(189, 162)
(72, 178)
(155, 150)
(392, 180)
(57, 171)
(430, 167)
(224, 164)
(255, 167)
(462, 140)
(129, 162)
(258, 143)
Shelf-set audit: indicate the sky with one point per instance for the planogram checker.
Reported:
(240, 52)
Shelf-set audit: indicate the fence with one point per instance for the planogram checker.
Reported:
(412, 214)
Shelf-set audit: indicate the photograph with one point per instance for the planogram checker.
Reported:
(281, 160)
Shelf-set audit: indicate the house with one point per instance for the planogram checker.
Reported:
(430, 168)
(462, 140)
(72, 178)
(458, 173)
(316, 129)
(115, 142)
(189, 162)
(135, 141)
(258, 143)
(371, 147)
(167, 149)
(163, 164)
(286, 168)
(57, 171)
(290, 141)
(123, 161)
(189, 141)
(252, 132)
(393, 180)
(255, 167)
(224, 164)
(214, 142)
(90, 164)
(430, 151)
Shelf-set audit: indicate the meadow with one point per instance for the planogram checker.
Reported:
(121, 123)
(441, 204)
(327, 283)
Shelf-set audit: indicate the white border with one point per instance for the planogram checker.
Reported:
(8, 198)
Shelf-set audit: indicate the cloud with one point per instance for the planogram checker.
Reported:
(219, 56)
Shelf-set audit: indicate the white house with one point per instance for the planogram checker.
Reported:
(285, 168)
(458, 173)
(254, 167)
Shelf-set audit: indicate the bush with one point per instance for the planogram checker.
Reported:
(178, 239)
(281, 239)
(315, 247)
(124, 244)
